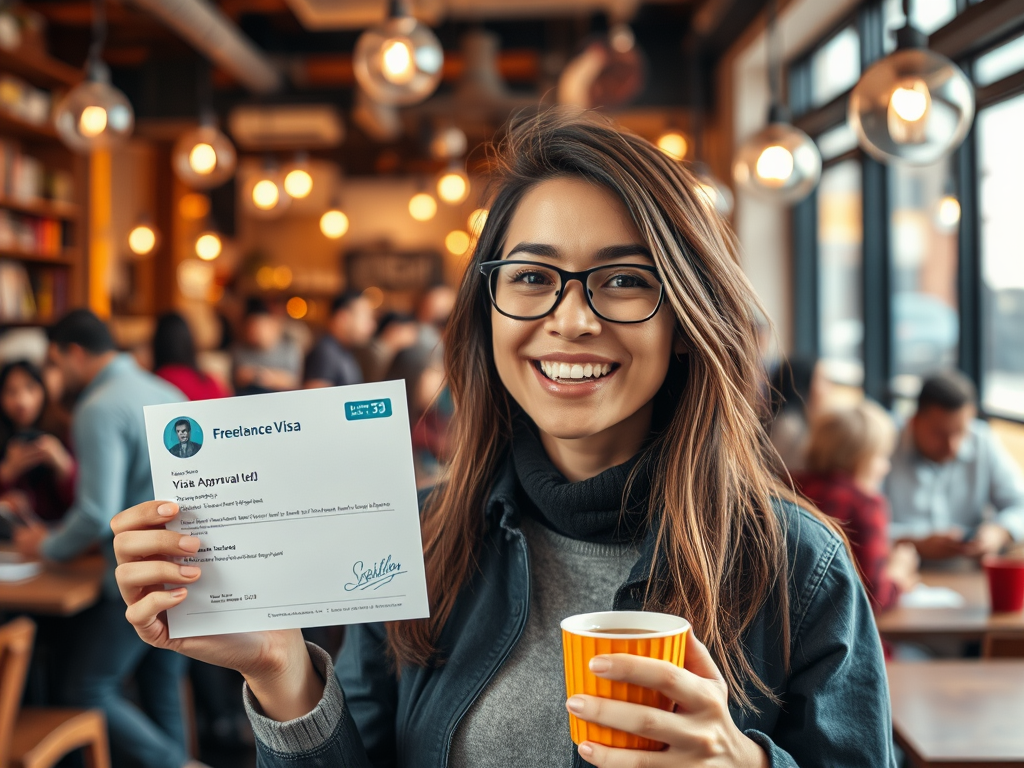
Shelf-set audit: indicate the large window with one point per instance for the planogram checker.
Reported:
(1000, 170)
(835, 67)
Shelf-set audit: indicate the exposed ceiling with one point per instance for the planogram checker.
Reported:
(311, 41)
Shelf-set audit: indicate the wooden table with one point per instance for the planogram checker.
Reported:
(959, 714)
(60, 590)
(972, 621)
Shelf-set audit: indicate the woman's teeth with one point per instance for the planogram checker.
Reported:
(555, 370)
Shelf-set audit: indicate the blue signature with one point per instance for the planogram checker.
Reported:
(376, 575)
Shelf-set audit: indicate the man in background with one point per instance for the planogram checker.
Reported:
(331, 363)
(953, 489)
(267, 360)
(109, 437)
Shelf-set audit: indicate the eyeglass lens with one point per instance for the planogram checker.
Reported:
(619, 292)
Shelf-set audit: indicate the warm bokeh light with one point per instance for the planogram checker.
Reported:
(422, 207)
(202, 159)
(910, 103)
(208, 246)
(453, 187)
(265, 194)
(673, 144)
(194, 206)
(296, 308)
(334, 224)
(265, 278)
(775, 164)
(93, 121)
(375, 296)
(142, 240)
(476, 221)
(457, 242)
(399, 67)
(282, 277)
(949, 212)
(298, 183)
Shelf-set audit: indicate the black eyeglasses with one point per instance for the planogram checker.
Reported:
(529, 290)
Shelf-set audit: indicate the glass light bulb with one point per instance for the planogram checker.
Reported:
(457, 242)
(208, 246)
(398, 63)
(142, 240)
(334, 224)
(296, 307)
(265, 194)
(204, 157)
(453, 187)
(298, 183)
(422, 207)
(94, 115)
(775, 165)
(914, 106)
(949, 212)
(779, 163)
(673, 144)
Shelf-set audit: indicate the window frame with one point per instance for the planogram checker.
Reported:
(977, 29)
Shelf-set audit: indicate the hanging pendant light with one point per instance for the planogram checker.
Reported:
(716, 193)
(914, 106)
(779, 163)
(95, 114)
(453, 185)
(264, 194)
(204, 157)
(398, 63)
(143, 238)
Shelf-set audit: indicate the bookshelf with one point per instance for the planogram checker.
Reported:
(43, 194)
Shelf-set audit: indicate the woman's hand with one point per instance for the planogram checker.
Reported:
(19, 459)
(699, 733)
(55, 455)
(276, 664)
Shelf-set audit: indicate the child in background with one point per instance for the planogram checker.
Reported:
(847, 460)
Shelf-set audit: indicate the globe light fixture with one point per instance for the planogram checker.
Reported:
(398, 63)
(914, 106)
(448, 142)
(673, 144)
(209, 246)
(204, 157)
(422, 206)
(264, 195)
(457, 242)
(94, 114)
(142, 240)
(334, 224)
(779, 163)
(453, 186)
(717, 194)
(298, 183)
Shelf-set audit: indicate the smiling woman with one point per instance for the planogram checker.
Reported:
(607, 453)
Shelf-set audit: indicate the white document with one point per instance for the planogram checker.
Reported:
(304, 504)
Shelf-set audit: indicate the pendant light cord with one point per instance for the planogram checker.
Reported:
(99, 32)
(774, 55)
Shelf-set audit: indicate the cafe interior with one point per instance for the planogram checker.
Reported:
(225, 183)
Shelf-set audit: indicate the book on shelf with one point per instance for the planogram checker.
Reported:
(17, 299)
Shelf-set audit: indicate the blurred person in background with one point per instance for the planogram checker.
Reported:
(266, 360)
(847, 461)
(174, 360)
(35, 464)
(395, 331)
(435, 306)
(954, 489)
(331, 362)
(109, 434)
(797, 395)
(422, 370)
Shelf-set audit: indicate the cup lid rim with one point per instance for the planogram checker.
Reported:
(654, 634)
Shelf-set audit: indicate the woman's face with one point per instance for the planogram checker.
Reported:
(567, 223)
(21, 398)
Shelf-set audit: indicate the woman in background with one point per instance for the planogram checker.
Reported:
(422, 369)
(37, 472)
(797, 396)
(174, 360)
(847, 460)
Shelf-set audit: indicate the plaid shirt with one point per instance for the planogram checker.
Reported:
(865, 519)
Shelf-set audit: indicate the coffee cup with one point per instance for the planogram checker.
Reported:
(1005, 582)
(641, 633)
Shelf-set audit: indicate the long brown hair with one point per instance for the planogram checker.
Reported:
(719, 540)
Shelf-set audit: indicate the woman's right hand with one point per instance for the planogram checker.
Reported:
(275, 663)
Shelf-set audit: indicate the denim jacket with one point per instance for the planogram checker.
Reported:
(834, 700)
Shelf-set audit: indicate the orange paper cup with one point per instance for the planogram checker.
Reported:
(592, 634)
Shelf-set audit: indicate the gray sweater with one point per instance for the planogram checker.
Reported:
(520, 718)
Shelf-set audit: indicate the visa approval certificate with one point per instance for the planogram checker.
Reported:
(304, 504)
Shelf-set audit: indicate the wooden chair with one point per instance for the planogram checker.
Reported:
(997, 646)
(40, 737)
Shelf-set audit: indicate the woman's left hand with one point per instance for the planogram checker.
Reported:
(700, 732)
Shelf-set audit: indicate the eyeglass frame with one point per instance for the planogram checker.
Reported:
(487, 268)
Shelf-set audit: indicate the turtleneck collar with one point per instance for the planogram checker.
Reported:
(590, 510)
